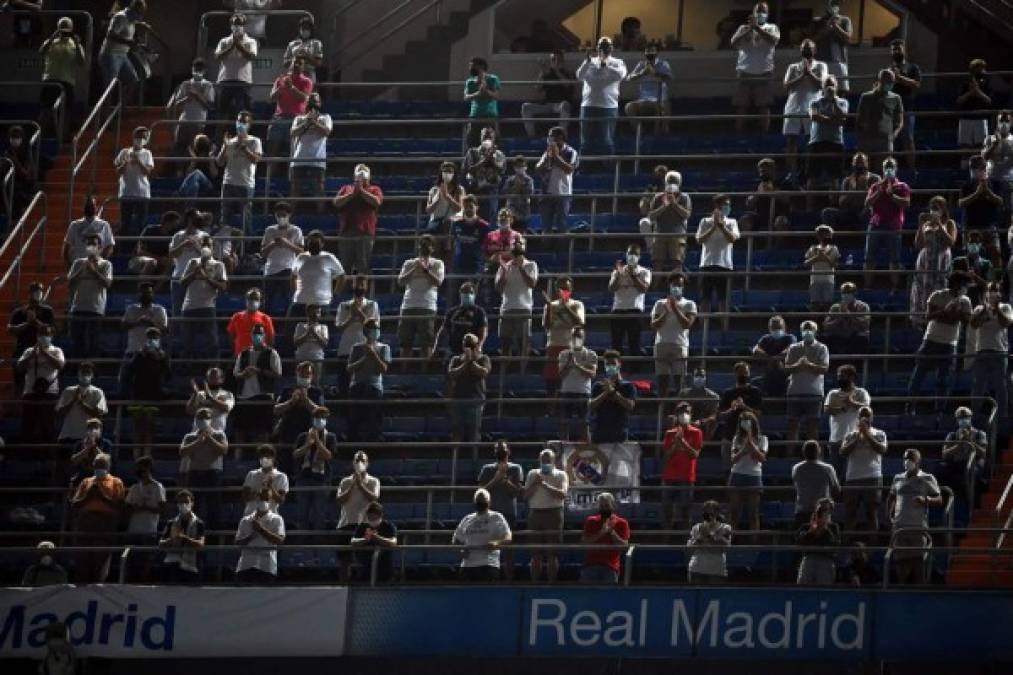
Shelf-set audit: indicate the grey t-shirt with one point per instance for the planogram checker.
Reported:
(369, 373)
(204, 456)
(830, 47)
(670, 222)
(864, 462)
(827, 132)
(813, 481)
(137, 336)
(502, 499)
(88, 290)
(964, 438)
(907, 513)
(805, 383)
(876, 113)
(78, 232)
(200, 294)
(468, 384)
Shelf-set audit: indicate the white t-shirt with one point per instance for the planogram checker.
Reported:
(187, 254)
(748, 465)
(353, 511)
(863, 461)
(78, 232)
(420, 292)
(235, 66)
(807, 90)
(561, 327)
(576, 382)
(672, 331)
(478, 529)
(250, 386)
(133, 181)
(280, 258)
(717, 250)
(137, 336)
(255, 481)
(945, 333)
(993, 337)
(627, 295)
(145, 494)
(35, 366)
(76, 419)
(555, 181)
(239, 169)
(822, 271)
(192, 110)
(601, 85)
(311, 144)
(843, 423)
(352, 334)
(542, 498)
(756, 55)
(314, 278)
(517, 294)
(89, 292)
(200, 294)
(219, 418)
(259, 553)
(311, 349)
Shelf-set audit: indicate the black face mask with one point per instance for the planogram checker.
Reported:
(743, 380)
(861, 169)
(502, 457)
(474, 72)
(708, 516)
(425, 251)
(517, 252)
(765, 176)
(146, 300)
(605, 513)
(898, 58)
(314, 247)
(482, 506)
(359, 291)
(844, 383)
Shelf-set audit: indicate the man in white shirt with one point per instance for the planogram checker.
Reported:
(309, 151)
(133, 165)
(190, 103)
(352, 315)
(803, 81)
(310, 339)
(628, 285)
(577, 367)
(601, 74)
(716, 235)
(822, 259)
(145, 501)
(142, 315)
(482, 533)
(515, 280)
(556, 167)
(218, 400)
(184, 247)
(239, 154)
(235, 55)
(420, 278)
(317, 276)
(755, 41)
(282, 242)
(863, 449)
(671, 319)
(203, 279)
(842, 405)
(41, 365)
(89, 278)
(265, 479)
(545, 489)
(355, 492)
(79, 403)
(259, 534)
(76, 239)
(912, 492)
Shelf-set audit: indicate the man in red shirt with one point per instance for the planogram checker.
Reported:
(606, 528)
(290, 93)
(241, 324)
(682, 446)
(357, 204)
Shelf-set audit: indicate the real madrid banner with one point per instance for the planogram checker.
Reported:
(610, 467)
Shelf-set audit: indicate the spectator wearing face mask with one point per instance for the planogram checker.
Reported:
(239, 155)
(242, 323)
(888, 200)
(235, 54)
(497, 249)
(214, 396)
(842, 405)
(181, 540)
(515, 280)
(24, 186)
(444, 206)
(559, 319)
(139, 317)
(848, 211)
(605, 528)
(24, 325)
(504, 481)
(282, 243)
(668, 217)
(376, 532)
(846, 328)
(716, 235)
(628, 284)
(145, 501)
(908, 78)
(980, 269)
(545, 489)
(62, 60)
(75, 242)
(79, 403)
(818, 568)
(803, 80)
(470, 232)
(755, 41)
(134, 165)
(46, 572)
(203, 279)
(749, 451)
(258, 536)
(317, 276)
(822, 259)
(482, 534)
(671, 319)
(309, 134)
(146, 378)
(184, 246)
(481, 93)
(294, 411)
(556, 167)
(576, 367)
(704, 401)
(814, 481)
(601, 74)
(89, 445)
(202, 454)
(314, 450)
(654, 76)
(991, 320)
(256, 370)
(863, 449)
(936, 235)
(708, 539)
(806, 362)
(827, 116)
(368, 362)
(358, 204)
(351, 317)
(683, 444)
(962, 446)
(981, 199)
(421, 278)
(612, 401)
(517, 190)
(311, 339)
(735, 401)
(912, 493)
(308, 47)
(879, 118)
(89, 278)
(40, 366)
(355, 493)
(466, 376)
(190, 104)
(98, 505)
(769, 354)
(483, 168)
(946, 310)
(266, 480)
(832, 34)
(201, 173)
(462, 319)
(975, 94)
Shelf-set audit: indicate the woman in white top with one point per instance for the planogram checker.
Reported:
(708, 565)
(749, 452)
(559, 318)
(444, 207)
(352, 315)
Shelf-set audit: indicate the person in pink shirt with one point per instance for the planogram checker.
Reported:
(496, 247)
(887, 199)
(289, 93)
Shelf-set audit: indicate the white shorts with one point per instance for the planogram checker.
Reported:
(795, 126)
(972, 133)
(670, 359)
(840, 71)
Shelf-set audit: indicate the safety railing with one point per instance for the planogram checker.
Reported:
(7, 189)
(928, 551)
(37, 208)
(1000, 508)
(433, 5)
(202, 27)
(79, 156)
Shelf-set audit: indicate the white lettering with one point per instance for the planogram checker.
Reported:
(746, 629)
(784, 620)
(643, 622)
(537, 622)
(680, 619)
(821, 637)
(803, 621)
(858, 621)
(620, 629)
(593, 626)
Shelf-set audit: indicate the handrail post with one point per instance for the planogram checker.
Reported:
(615, 188)
(636, 146)
(374, 566)
(749, 262)
(429, 512)
(124, 561)
(594, 217)
(628, 570)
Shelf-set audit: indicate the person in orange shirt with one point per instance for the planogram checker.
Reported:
(98, 503)
(241, 324)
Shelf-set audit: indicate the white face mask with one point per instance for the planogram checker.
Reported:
(237, 31)
(262, 506)
(374, 522)
(362, 175)
(746, 425)
(16, 142)
(91, 250)
(319, 423)
(632, 259)
(520, 170)
(487, 144)
(671, 188)
(447, 176)
(577, 342)
(304, 33)
(360, 466)
(184, 509)
(85, 380)
(283, 220)
(266, 462)
(683, 418)
(253, 305)
(101, 473)
(205, 252)
(203, 424)
(46, 560)
(303, 381)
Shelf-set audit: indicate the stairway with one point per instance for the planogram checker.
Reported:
(978, 569)
(57, 188)
(967, 30)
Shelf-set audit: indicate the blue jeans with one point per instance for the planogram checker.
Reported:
(278, 293)
(237, 198)
(989, 377)
(200, 324)
(598, 130)
(195, 184)
(133, 216)
(466, 421)
(933, 355)
(554, 211)
(85, 328)
(313, 505)
(880, 243)
(117, 65)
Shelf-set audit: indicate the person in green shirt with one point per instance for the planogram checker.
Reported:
(481, 91)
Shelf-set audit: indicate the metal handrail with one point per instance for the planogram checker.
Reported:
(367, 30)
(1000, 505)
(7, 189)
(78, 158)
(397, 29)
(202, 30)
(25, 242)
